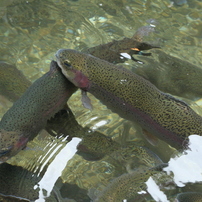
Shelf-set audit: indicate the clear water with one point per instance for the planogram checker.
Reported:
(30, 34)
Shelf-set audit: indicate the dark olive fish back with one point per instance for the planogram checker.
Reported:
(136, 99)
(189, 197)
(111, 51)
(128, 186)
(29, 114)
(171, 74)
(21, 183)
(39, 103)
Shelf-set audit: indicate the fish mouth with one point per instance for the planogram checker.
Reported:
(57, 55)
(5, 151)
(5, 154)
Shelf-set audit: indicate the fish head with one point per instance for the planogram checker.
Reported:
(10, 144)
(73, 66)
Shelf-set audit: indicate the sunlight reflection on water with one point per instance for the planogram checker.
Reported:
(56, 167)
(188, 166)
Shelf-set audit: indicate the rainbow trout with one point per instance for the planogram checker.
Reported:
(168, 73)
(12, 86)
(19, 184)
(96, 145)
(129, 186)
(171, 74)
(29, 115)
(112, 51)
(189, 197)
(131, 96)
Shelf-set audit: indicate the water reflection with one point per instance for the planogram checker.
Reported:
(187, 168)
(56, 167)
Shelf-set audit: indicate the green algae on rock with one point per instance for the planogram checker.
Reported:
(171, 74)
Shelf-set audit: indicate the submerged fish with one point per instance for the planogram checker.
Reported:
(112, 51)
(19, 184)
(96, 145)
(168, 73)
(9, 198)
(12, 86)
(133, 155)
(189, 197)
(12, 82)
(132, 97)
(64, 124)
(128, 186)
(28, 115)
(171, 74)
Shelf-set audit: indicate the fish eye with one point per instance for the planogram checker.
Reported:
(67, 63)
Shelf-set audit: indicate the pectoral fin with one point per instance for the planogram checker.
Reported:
(86, 100)
(150, 138)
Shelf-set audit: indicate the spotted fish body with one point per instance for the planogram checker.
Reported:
(169, 74)
(189, 197)
(20, 185)
(131, 96)
(12, 86)
(28, 115)
(96, 145)
(129, 186)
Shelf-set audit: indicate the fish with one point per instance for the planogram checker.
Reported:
(128, 186)
(112, 51)
(12, 82)
(8, 198)
(133, 155)
(29, 114)
(132, 97)
(168, 73)
(171, 74)
(96, 146)
(189, 197)
(19, 184)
